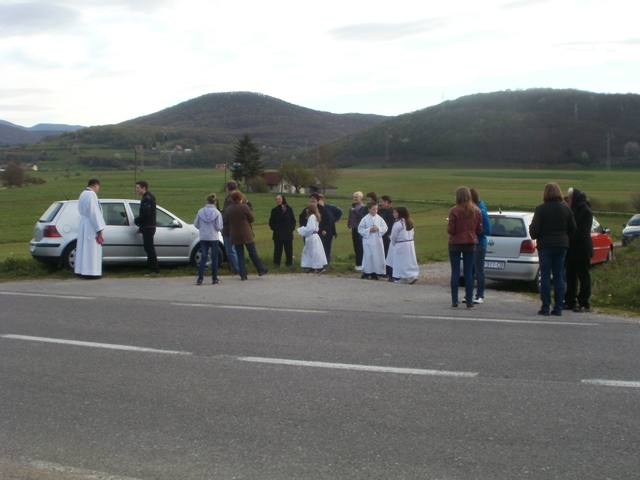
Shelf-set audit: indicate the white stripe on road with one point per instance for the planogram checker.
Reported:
(496, 320)
(94, 345)
(236, 307)
(366, 368)
(66, 297)
(612, 383)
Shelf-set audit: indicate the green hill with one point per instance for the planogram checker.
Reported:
(531, 128)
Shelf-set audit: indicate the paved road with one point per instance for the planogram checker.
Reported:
(297, 376)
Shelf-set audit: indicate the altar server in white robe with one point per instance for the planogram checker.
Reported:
(313, 256)
(372, 227)
(90, 227)
(402, 251)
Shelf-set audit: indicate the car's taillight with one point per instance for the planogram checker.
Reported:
(51, 231)
(528, 246)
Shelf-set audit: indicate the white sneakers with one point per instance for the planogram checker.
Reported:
(479, 300)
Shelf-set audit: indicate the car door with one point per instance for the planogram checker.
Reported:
(171, 239)
(119, 233)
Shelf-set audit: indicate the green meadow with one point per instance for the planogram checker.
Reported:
(428, 193)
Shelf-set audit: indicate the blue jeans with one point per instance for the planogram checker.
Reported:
(253, 254)
(552, 262)
(478, 268)
(205, 246)
(467, 262)
(231, 254)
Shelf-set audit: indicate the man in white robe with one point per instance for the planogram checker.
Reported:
(372, 227)
(90, 227)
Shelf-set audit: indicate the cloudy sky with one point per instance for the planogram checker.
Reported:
(96, 62)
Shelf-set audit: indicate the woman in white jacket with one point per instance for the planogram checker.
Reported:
(402, 251)
(209, 223)
(313, 256)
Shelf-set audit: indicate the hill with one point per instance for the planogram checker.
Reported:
(226, 116)
(12, 134)
(537, 127)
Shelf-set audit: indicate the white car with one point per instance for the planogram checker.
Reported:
(511, 252)
(56, 233)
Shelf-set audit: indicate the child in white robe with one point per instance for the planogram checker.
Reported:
(372, 227)
(313, 256)
(402, 251)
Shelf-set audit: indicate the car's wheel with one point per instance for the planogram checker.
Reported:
(625, 242)
(534, 285)
(610, 255)
(69, 257)
(196, 256)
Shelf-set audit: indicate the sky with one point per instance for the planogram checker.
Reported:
(100, 62)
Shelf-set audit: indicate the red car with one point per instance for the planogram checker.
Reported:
(602, 244)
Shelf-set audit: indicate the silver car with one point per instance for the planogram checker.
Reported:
(511, 253)
(631, 230)
(56, 233)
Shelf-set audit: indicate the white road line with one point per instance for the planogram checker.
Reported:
(236, 307)
(611, 383)
(497, 320)
(66, 297)
(366, 368)
(93, 345)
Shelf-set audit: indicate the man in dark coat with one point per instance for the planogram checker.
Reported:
(282, 222)
(146, 222)
(578, 262)
(386, 212)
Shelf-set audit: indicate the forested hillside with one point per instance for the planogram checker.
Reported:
(531, 128)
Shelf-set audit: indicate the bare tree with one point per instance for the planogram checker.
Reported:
(325, 167)
(296, 174)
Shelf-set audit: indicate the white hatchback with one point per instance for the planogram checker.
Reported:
(511, 252)
(56, 233)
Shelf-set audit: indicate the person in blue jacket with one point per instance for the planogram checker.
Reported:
(481, 247)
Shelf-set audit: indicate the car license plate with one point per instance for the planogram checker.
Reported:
(494, 265)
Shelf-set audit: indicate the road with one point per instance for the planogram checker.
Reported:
(309, 377)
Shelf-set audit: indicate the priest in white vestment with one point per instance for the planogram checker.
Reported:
(372, 227)
(90, 227)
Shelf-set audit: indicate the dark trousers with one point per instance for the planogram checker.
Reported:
(205, 246)
(551, 263)
(287, 246)
(326, 245)
(578, 270)
(253, 255)
(150, 249)
(386, 241)
(357, 246)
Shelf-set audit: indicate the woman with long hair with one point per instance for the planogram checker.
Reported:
(464, 226)
(551, 227)
(402, 251)
(313, 256)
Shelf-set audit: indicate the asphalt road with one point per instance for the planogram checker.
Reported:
(308, 377)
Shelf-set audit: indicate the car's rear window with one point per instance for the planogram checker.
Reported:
(508, 227)
(51, 213)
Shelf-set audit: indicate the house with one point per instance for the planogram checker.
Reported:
(274, 182)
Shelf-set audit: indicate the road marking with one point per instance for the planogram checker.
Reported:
(94, 345)
(66, 297)
(497, 320)
(612, 383)
(236, 307)
(366, 368)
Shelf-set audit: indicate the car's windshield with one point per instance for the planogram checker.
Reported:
(635, 221)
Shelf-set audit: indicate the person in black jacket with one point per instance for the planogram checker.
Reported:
(146, 222)
(578, 262)
(552, 225)
(386, 212)
(283, 223)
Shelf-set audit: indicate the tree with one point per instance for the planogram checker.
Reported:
(325, 167)
(13, 176)
(246, 160)
(296, 174)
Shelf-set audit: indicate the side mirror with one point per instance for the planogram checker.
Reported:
(606, 230)
(176, 224)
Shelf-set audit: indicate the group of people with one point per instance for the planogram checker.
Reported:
(562, 228)
(382, 237)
